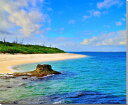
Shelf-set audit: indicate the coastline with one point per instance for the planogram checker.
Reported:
(7, 61)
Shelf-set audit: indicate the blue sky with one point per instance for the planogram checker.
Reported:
(69, 14)
(72, 25)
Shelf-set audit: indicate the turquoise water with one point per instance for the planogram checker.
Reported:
(98, 78)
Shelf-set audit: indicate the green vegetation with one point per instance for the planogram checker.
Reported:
(12, 48)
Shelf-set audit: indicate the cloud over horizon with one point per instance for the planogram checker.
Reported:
(110, 39)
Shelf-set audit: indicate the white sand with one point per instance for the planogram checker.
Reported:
(8, 60)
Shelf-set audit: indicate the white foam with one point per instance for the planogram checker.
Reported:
(58, 102)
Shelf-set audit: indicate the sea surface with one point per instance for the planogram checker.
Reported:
(99, 78)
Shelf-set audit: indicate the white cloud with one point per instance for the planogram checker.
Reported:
(71, 21)
(101, 6)
(119, 23)
(96, 13)
(123, 19)
(92, 13)
(86, 17)
(105, 4)
(21, 16)
(89, 41)
(112, 38)
(108, 3)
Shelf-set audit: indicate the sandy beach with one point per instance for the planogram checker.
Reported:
(8, 60)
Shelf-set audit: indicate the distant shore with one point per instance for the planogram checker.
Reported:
(9, 60)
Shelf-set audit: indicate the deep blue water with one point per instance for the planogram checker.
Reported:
(99, 78)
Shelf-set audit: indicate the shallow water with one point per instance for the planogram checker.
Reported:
(103, 73)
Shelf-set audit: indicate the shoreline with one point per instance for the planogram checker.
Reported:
(8, 60)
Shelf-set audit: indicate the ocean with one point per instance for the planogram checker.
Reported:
(99, 78)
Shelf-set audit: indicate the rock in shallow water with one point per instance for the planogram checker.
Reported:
(41, 71)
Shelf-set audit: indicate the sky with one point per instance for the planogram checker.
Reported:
(71, 25)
